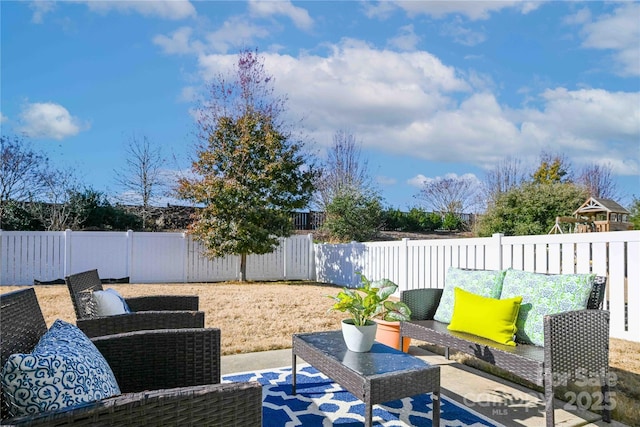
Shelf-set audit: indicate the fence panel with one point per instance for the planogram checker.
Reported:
(25, 256)
(200, 268)
(106, 251)
(157, 257)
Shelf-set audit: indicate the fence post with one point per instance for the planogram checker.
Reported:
(129, 266)
(496, 252)
(404, 265)
(67, 253)
(186, 258)
(311, 273)
(285, 246)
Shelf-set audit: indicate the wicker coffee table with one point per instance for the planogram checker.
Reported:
(380, 375)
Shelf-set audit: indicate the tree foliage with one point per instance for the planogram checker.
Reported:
(553, 168)
(353, 216)
(634, 218)
(530, 208)
(345, 192)
(250, 172)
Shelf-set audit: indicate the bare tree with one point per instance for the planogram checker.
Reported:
(55, 210)
(508, 173)
(451, 194)
(21, 172)
(141, 177)
(344, 171)
(598, 180)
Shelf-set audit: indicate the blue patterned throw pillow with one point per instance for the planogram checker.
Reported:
(486, 283)
(544, 294)
(65, 369)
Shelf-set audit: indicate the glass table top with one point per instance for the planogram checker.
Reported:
(381, 359)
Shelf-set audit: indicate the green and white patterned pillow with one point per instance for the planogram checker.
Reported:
(542, 295)
(486, 283)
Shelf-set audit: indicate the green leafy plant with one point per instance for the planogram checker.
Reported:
(370, 301)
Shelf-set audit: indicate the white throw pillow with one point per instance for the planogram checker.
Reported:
(108, 303)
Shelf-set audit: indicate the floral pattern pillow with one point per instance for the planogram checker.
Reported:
(486, 283)
(65, 369)
(542, 295)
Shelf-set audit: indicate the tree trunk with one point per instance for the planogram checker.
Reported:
(243, 268)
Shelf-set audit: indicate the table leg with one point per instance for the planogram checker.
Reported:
(293, 373)
(368, 414)
(435, 418)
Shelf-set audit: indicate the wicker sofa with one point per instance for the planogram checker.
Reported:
(147, 312)
(167, 377)
(575, 343)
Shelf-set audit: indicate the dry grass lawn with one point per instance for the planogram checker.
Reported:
(263, 316)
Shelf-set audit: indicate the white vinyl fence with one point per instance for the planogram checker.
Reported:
(143, 257)
(416, 264)
(176, 258)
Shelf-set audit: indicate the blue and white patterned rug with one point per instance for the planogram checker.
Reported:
(321, 402)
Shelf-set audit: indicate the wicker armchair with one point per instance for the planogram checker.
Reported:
(167, 377)
(148, 312)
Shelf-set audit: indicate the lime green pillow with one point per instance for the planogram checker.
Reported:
(490, 318)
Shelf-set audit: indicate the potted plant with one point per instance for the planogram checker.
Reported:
(364, 304)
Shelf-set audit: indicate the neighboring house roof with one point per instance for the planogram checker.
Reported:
(599, 205)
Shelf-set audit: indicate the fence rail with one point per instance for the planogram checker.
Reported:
(176, 258)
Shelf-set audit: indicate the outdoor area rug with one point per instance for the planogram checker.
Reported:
(321, 402)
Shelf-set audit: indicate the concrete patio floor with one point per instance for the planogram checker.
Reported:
(504, 402)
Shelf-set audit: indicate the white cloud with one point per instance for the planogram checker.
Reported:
(618, 32)
(166, 9)
(3, 118)
(461, 34)
(179, 42)
(474, 10)
(188, 94)
(417, 181)
(410, 103)
(235, 32)
(41, 8)
(299, 16)
(406, 39)
(49, 120)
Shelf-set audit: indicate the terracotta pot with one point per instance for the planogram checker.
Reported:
(388, 333)
(359, 338)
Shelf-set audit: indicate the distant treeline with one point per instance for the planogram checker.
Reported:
(415, 220)
(104, 216)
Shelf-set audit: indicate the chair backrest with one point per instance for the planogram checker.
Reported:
(80, 286)
(21, 326)
(596, 298)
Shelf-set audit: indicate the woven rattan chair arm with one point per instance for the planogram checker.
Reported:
(140, 321)
(163, 302)
(577, 340)
(422, 302)
(232, 404)
(158, 359)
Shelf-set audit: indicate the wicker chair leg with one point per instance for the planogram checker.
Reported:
(548, 400)
(606, 408)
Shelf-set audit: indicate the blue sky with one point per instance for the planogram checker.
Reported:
(429, 88)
